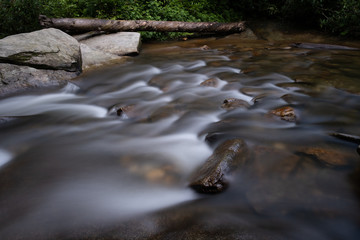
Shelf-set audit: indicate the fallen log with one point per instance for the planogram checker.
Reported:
(86, 25)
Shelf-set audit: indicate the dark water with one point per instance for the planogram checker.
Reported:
(71, 168)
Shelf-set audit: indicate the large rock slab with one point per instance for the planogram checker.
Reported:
(122, 43)
(14, 78)
(46, 49)
(94, 58)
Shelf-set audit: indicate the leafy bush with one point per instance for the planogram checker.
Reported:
(18, 16)
(343, 20)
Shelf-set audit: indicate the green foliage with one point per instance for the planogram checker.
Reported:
(340, 17)
(18, 16)
(343, 20)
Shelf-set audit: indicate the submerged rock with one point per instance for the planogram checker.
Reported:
(211, 82)
(232, 103)
(124, 111)
(212, 175)
(328, 156)
(285, 113)
(46, 49)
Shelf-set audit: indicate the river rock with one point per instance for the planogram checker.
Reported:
(125, 111)
(14, 78)
(327, 156)
(286, 113)
(46, 49)
(273, 160)
(158, 171)
(122, 43)
(212, 177)
(232, 103)
(211, 82)
(93, 57)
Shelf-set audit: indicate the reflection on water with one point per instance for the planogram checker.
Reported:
(109, 155)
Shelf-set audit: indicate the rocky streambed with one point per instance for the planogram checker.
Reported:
(238, 137)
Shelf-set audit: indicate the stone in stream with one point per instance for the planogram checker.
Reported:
(328, 156)
(14, 78)
(92, 58)
(232, 103)
(124, 111)
(211, 82)
(157, 171)
(45, 49)
(286, 113)
(122, 43)
(212, 177)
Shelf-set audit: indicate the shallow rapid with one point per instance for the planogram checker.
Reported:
(109, 155)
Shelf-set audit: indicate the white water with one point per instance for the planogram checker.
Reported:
(69, 162)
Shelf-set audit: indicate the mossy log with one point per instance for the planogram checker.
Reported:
(86, 25)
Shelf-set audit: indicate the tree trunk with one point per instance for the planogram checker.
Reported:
(86, 25)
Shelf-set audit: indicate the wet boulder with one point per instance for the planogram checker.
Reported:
(15, 78)
(232, 103)
(94, 58)
(286, 113)
(45, 49)
(212, 176)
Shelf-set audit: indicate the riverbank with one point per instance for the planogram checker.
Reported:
(49, 58)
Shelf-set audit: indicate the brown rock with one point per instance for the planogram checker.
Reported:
(211, 82)
(158, 171)
(205, 47)
(232, 103)
(124, 111)
(212, 175)
(285, 113)
(274, 160)
(329, 156)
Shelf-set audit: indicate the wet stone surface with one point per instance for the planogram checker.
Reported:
(285, 113)
(212, 176)
(232, 103)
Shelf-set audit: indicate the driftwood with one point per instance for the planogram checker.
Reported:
(86, 25)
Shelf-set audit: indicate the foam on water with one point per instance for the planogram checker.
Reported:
(55, 102)
(4, 157)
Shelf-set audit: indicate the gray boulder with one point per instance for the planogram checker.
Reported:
(14, 78)
(46, 49)
(122, 43)
(94, 58)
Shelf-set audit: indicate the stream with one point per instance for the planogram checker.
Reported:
(109, 155)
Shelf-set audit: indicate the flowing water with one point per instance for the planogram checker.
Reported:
(109, 155)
